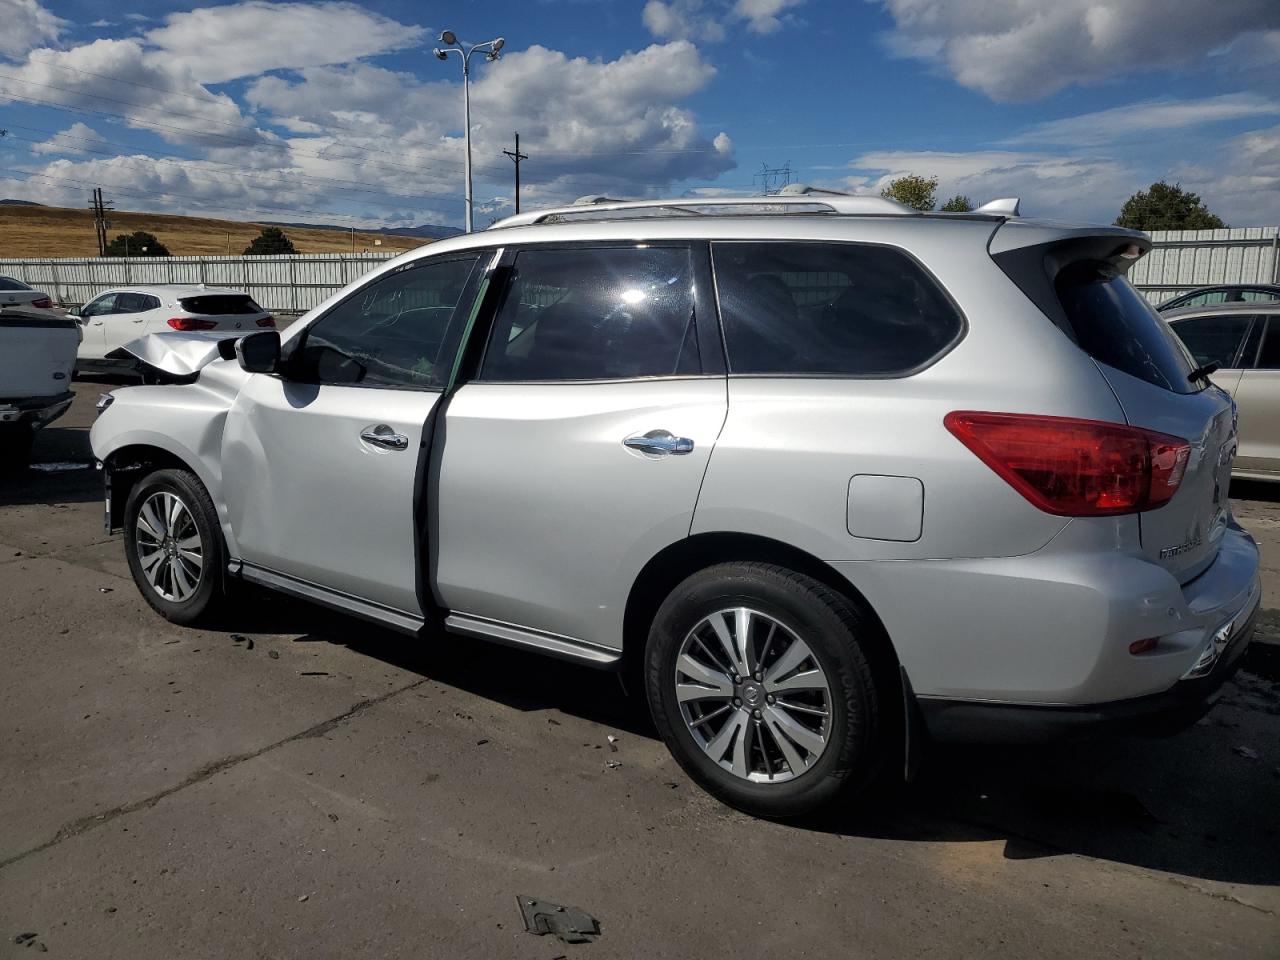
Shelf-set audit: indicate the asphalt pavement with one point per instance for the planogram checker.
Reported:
(300, 784)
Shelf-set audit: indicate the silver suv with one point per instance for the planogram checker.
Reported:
(833, 477)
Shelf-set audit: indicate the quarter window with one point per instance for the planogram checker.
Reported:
(595, 314)
(1214, 339)
(390, 332)
(829, 308)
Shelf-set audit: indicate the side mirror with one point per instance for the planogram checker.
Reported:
(259, 352)
(74, 312)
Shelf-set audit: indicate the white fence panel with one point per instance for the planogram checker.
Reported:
(285, 283)
(1182, 259)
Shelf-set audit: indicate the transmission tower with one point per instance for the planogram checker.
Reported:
(770, 180)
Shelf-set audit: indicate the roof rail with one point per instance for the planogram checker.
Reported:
(811, 201)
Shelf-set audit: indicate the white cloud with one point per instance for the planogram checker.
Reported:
(1244, 188)
(681, 20)
(1024, 49)
(1050, 185)
(26, 25)
(77, 139)
(1146, 117)
(120, 77)
(247, 39)
(707, 20)
(763, 16)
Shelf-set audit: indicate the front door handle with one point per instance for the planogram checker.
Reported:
(659, 443)
(383, 436)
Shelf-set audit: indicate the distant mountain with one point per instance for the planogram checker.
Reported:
(430, 231)
(20, 203)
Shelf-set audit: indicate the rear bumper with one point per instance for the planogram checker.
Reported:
(36, 411)
(1158, 714)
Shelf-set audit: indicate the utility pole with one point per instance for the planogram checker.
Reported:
(100, 222)
(517, 157)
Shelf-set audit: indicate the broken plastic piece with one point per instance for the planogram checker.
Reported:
(570, 924)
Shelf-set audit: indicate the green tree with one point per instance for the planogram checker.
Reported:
(919, 193)
(137, 244)
(958, 204)
(1165, 207)
(270, 241)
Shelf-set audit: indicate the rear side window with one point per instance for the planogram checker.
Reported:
(829, 308)
(220, 304)
(1115, 325)
(1214, 339)
(8, 283)
(610, 313)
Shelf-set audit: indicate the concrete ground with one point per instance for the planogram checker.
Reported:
(304, 785)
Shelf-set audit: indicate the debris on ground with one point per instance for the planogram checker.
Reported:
(105, 589)
(303, 898)
(481, 743)
(273, 654)
(613, 743)
(24, 937)
(1247, 752)
(61, 466)
(570, 924)
(614, 764)
(313, 673)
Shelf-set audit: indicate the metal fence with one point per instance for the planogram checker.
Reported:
(1179, 261)
(1183, 259)
(288, 283)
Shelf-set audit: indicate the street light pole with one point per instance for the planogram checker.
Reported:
(493, 50)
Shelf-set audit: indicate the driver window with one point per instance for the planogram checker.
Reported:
(389, 333)
(102, 305)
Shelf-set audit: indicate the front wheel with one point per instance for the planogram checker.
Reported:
(760, 683)
(174, 546)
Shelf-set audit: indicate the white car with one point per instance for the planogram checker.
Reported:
(125, 314)
(16, 295)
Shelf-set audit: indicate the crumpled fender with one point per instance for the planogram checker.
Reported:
(181, 354)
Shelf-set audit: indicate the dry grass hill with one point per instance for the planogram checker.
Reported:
(37, 231)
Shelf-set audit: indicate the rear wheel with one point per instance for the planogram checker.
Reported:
(174, 546)
(760, 682)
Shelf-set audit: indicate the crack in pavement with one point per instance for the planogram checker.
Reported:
(85, 824)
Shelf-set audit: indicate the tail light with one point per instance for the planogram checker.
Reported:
(44, 303)
(191, 323)
(267, 322)
(1076, 468)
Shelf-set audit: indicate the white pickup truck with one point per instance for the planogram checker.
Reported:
(37, 359)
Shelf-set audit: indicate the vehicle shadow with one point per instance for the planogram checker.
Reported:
(1192, 805)
(1261, 490)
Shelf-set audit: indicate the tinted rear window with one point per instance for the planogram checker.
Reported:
(829, 308)
(8, 283)
(220, 304)
(1115, 325)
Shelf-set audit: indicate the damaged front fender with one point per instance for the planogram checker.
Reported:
(179, 354)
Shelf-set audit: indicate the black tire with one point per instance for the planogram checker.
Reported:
(208, 600)
(16, 440)
(841, 638)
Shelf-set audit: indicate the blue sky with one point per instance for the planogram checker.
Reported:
(337, 112)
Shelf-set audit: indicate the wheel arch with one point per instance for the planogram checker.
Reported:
(130, 462)
(678, 560)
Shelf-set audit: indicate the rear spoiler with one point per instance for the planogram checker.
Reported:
(1033, 254)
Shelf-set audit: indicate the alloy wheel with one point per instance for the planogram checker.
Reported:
(170, 550)
(753, 695)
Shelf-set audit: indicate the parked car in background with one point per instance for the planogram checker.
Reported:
(37, 358)
(1227, 293)
(830, 475)
(16, 295)
(1243, 339)
(118, 316)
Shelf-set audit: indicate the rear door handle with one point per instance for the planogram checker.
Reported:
(383, 436)
(659, 443)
